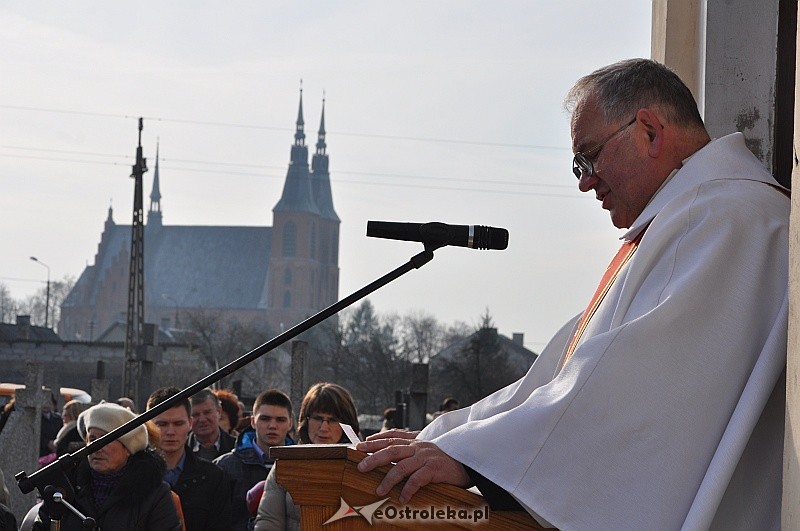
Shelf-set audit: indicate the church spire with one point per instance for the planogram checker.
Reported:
(300, 135)
(297, 194)
(320, 177)
(110, 219)
(321, 135)
(154, 213)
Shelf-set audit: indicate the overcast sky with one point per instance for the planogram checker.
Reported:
(443, 110)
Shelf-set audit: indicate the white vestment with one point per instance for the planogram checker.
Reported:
(664, 417)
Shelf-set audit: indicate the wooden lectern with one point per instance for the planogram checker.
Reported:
(324, 481)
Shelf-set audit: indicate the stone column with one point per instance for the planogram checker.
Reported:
(418, 396)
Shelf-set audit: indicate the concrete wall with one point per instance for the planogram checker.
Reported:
(740, 72)
(75, 364)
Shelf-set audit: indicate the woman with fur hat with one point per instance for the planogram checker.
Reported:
(120, 485)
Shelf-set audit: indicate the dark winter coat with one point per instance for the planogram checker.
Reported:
(205, 492)
(7, 520)
(141, 501)
(246, 468)
(227, 442)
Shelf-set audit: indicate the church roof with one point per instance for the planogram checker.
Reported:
(189, 266)
(194, 265)
(298, 195)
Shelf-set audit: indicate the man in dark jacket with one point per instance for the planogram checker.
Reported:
(207, 439)
(204, 489)
(249, 462)
(51, 423)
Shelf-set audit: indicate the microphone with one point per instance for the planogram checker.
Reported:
(437, 234)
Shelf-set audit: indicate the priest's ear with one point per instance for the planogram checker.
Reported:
(653, 127)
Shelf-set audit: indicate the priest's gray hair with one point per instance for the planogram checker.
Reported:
(622, 88)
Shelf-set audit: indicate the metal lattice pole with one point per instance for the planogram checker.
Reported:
(135, 317)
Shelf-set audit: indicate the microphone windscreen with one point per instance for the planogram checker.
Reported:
(489, 238)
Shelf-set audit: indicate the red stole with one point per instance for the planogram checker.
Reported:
(612, 271)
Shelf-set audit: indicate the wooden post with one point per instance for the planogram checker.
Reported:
(298, 390)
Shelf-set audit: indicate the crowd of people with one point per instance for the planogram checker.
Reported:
(202, 464)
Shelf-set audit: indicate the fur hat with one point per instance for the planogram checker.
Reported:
(107, 417)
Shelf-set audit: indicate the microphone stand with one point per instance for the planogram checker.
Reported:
(52, 481)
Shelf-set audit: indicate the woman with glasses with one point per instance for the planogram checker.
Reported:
(324, 408)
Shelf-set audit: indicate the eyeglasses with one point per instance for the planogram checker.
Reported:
(582, 165)
(319, 419)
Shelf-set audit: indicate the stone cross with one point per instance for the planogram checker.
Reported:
(19, 440)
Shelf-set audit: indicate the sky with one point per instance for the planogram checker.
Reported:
(445, 110)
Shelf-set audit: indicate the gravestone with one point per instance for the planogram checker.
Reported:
(299, 351)
(19, 439)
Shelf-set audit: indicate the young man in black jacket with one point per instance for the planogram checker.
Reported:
(204, 488)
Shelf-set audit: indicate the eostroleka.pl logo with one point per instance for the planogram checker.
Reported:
(376, 511)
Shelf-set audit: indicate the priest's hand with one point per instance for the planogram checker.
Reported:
(418, 462)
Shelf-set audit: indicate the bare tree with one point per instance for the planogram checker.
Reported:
(328, 355)
(39, 305)
(372, 362)
(369, 354)
(421, 336)
(221, 338)
(8, 306)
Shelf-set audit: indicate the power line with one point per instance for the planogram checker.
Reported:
(525, 184)
(62, 111)
(280, 176)
(285, 129)
(23, 280)
(69, 152)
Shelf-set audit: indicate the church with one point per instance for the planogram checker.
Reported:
(274, 276)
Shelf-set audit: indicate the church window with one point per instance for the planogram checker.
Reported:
(287, 277)
(290, 239)
(323, 245)
(313, 241)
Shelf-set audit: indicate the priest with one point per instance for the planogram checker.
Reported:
(661, 406)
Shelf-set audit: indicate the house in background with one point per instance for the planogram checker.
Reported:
(477, 365)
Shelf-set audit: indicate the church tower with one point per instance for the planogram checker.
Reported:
(303, 265)
(154, 212)
(328, 228)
